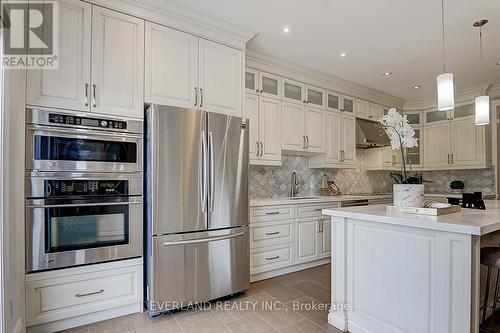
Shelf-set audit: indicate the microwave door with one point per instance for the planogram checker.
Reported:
(176, 172)
(228, 176)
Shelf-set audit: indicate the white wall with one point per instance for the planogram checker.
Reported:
(13, 110)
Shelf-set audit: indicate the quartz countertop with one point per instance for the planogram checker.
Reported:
(313, 199)
(468, 221)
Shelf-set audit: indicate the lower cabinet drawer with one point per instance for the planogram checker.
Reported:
(279, 232)
(272, 257)
(61, 297)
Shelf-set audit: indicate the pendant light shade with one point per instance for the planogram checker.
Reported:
(446, 92)
(482, 108)
(482, 103)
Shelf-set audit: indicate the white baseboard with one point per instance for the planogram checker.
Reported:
(287, 270)
(337, 320)
(86, 319)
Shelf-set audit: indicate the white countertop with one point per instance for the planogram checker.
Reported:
(318, 199)
(468, 221)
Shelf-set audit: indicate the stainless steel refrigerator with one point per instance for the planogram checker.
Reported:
(196, 186)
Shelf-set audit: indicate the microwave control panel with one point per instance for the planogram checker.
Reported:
(64, 119)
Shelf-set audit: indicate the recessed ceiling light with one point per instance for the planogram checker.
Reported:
(286, 29)
(342, 54)
(387, 73)
(417, 87)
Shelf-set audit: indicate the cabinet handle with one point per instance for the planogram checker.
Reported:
(90, 294)
(303, 101)
(272, 233)
(303, 142)
(86, 94)
(318, 222)
(452, 159)
(258, 149)
(261, 149)
(195, 96)
(272, 213)
(94, 97)
(272, 258)
(201, 97)
(449, 159)
(318, 209)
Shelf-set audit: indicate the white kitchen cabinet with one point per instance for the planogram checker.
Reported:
(117, 63)
(303, 128)
(347, 104)
(375, 112)
(187, 71)
(315, 97)
(252, 81)
(333, 101)
(382, 158)
(362, 109)
(293, 91)
(265, 129)
(220, 78)
(437, 145)
(171, 66)
(67, 87)
(307, 239)
(415, 155)
(467, 143)
(269, 85)
(325, 237)
(340, 142)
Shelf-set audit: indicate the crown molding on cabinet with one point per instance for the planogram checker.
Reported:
(261, 61)
(182, 18)
(465, 95)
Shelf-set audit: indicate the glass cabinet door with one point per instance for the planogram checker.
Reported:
(293, 91)
(413, 155)
(315, 96)
(270, 85)
(332, 101)
(463, 111)
(251, 78)
(347, 104)
(413, 118)
(435, 116)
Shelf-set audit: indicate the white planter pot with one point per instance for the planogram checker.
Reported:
(408, 195)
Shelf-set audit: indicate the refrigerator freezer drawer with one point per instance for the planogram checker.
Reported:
(197, 267)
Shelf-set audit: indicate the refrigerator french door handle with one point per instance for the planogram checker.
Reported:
(212, 170)
(203, 171)
(203, 240)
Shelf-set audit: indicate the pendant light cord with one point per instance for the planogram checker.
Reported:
(481, 54)
(442, 31)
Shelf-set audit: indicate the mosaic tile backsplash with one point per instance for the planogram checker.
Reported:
(268, 182)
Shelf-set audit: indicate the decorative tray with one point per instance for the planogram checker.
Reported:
(425, 211)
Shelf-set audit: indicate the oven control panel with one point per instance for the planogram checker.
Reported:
(64, 119)
(56, 188)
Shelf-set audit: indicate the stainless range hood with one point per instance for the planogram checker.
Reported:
(369, 135)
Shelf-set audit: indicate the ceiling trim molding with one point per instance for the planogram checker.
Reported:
(465, 95)
(265, 62)
(182, 18)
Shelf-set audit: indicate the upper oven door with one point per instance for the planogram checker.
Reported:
(50, 148)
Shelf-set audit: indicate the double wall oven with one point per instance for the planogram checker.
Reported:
(83, 189)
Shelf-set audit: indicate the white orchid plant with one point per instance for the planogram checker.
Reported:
(402, 137)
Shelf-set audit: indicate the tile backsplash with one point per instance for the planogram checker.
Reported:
(275, 181)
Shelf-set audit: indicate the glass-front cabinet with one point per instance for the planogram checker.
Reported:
(251, 81)
(293, 91)
(315, 97)
(332, 101)
(414, 155)
(435, 116)
(347, 104)
(414, 118)
(462, 111)
(261, 83)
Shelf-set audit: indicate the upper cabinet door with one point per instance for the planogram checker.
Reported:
(467, 143)
(293, 91)
(437, 145)
(269, 85)
(436, 116)
(251, 81)
(117, 64)
(171, 61)
(333, 137)
(315, 97)
(347, 104)
(67, 87)
(220, 78)
(362, 109)
(292, 122)
(270, 128)
(315, 130)
(376, 112)
(349, 139)
(333, 101)
(251, 112)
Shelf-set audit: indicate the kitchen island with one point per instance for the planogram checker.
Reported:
(396, 272)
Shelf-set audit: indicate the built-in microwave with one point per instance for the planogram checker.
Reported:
(80, 218)
(59, 141)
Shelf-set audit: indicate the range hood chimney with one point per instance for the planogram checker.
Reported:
(369, 135)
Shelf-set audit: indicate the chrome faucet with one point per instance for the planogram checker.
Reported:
(294, 188)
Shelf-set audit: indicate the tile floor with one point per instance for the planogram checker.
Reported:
(291, 297)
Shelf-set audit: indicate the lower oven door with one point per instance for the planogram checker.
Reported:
(74, 233)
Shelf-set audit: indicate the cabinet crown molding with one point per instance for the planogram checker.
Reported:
(182, 18)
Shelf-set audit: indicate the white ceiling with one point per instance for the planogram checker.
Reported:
(400, 36)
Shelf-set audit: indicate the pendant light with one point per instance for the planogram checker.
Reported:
(445, 86)
(482, 104)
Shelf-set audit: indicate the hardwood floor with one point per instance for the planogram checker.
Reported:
(281, 304)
